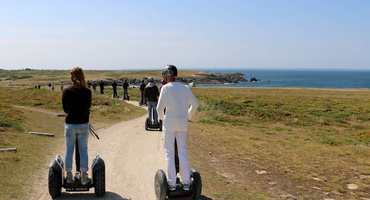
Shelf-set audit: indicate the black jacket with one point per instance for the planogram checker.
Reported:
(151, 92)
(125, 85)
(76, 105)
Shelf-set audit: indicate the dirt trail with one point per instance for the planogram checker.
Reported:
(132, 155)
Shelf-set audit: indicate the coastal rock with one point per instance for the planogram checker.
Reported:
(217, 78)
(254, 80)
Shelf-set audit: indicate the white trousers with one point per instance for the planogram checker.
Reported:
(169, 145)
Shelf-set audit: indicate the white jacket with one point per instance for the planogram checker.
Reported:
(176, 98)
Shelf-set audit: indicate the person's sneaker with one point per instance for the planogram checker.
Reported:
(69, 178)
(172, 187)
(85, 179)
(186, 187)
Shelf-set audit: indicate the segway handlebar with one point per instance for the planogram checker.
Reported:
(93, 132)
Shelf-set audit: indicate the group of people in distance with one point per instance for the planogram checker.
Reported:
(174, 105)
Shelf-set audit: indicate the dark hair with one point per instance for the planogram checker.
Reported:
(78, 78)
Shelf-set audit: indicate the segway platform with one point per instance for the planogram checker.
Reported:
(126, 98)
(162, 190)
(57, 179)
(149, 125)
(161, 185)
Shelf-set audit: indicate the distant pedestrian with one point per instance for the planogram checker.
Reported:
(152, 94)
(114, 86)
(125, 89)
(61, 86)
(101, 87)
(142, 90)
(52, 86)
(94, 85)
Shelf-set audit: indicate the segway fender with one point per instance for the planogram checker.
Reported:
(97, 163)
(57, 164)
(98, 168)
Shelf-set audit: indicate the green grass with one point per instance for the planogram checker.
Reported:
(43, 77)
(293, 134)
(32, 149)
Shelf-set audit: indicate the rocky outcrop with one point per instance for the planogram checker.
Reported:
(214, 78)
(217, 78)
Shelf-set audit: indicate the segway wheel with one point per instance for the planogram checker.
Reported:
(99, 182)
(160, 185)
(147, 124)
(55, 183)
(197, 183)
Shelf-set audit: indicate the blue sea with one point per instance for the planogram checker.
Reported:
(300, 78)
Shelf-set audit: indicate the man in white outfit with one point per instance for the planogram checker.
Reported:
(176, 98)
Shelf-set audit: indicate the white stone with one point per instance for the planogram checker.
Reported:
(316, 179)
(260, 172)
(352, 186)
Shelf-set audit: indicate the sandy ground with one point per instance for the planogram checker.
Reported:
(132, 156)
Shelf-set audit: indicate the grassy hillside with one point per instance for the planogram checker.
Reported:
(40, 115)
(43, 77)
(248, 143)
(263, 142)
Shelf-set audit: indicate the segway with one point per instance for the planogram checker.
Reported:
(150, 125)
(126, 97)
(162, 189)
(57, 179)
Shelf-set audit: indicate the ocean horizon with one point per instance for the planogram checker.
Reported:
(310, 78)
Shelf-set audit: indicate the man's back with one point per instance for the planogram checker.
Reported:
(176, 98)
(151, 92)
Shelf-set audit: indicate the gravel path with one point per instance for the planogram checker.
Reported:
(132, 155)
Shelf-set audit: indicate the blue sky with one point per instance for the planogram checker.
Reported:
(202, 34)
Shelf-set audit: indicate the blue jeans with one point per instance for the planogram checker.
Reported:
(125, 93)
(79, 132)
(143, 99)
(152, 106)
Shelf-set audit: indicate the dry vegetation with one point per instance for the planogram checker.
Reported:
(310, 142)
(39, 114)
(248, 143)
